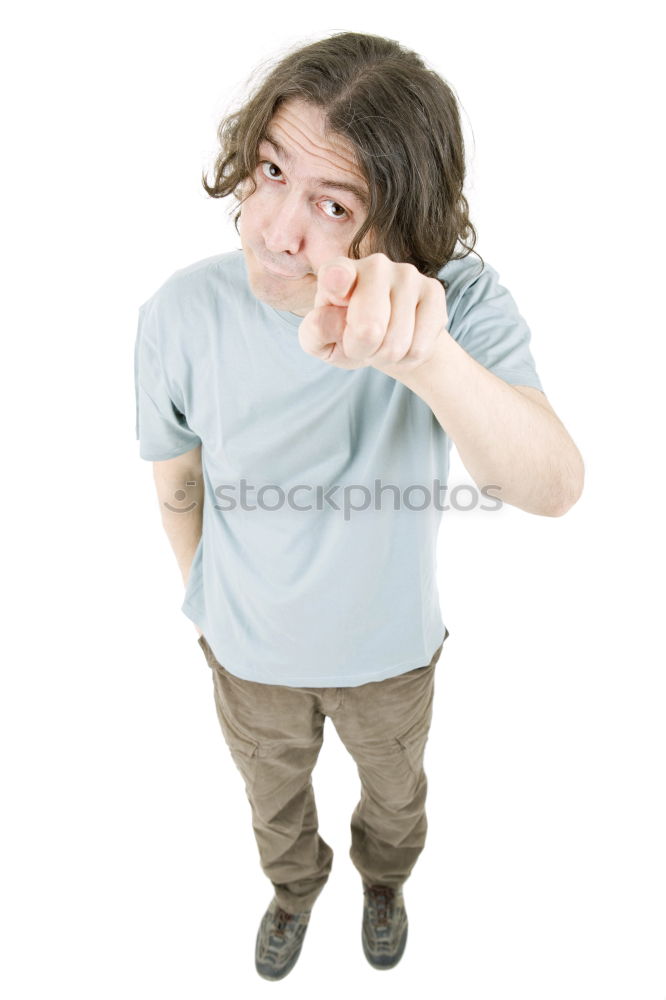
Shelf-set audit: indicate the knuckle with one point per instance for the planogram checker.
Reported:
(368, 331)
(394, 354)
(412, 277)
(417, 355)
(437, 288)
(410, 270)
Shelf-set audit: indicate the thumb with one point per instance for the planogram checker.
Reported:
(335, 282)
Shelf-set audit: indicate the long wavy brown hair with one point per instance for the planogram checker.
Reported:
(402, 120)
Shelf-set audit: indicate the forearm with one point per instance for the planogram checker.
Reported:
(182, 517)
(504, 439)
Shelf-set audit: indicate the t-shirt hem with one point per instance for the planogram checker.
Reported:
(516, 377)
(340, 680)
(165, 455)
(330, 681)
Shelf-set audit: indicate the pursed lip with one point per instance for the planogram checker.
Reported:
(280, 274)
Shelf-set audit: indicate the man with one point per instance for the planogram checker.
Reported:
(292, 396)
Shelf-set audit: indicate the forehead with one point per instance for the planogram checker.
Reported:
(304, 125)
(297, 134)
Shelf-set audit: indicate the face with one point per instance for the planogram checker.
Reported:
(308, 205)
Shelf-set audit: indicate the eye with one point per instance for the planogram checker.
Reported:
(327, 201)
(267, 163)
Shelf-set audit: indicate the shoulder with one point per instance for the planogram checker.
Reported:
(476, 295)
(196, 285)
(181, 313)
(468, 280)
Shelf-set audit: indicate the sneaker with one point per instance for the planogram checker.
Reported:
(279, 941)
(384, 931)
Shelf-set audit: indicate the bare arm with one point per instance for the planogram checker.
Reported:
(506, 435)
(180, 492)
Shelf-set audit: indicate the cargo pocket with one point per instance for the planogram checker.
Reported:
(244, 749)
(413, 741)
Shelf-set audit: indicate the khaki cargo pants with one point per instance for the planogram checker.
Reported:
(274, 734)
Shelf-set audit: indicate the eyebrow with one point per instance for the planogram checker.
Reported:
(340, 185)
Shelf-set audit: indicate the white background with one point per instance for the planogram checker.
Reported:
(129, 867)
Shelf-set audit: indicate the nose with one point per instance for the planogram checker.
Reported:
(285, 231)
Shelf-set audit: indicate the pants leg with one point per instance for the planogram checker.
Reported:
(384, 725)
(274, 734)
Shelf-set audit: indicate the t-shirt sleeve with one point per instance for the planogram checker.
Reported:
(161, 426)
(487, 324)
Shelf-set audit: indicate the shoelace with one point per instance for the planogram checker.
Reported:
(282, 918)
(381, 898)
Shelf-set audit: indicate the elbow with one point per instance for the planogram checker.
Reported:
(563, 508)
(573, 489)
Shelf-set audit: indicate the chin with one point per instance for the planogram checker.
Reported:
(280, 293)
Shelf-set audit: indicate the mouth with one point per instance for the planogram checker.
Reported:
(281, 274)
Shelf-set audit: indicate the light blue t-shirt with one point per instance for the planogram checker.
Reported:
(317, 560)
